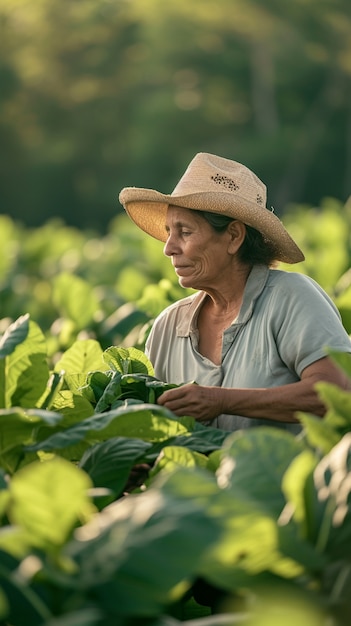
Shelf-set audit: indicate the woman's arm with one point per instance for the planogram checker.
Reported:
(275, 403)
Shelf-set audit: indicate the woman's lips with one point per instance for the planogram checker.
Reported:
(181, 268)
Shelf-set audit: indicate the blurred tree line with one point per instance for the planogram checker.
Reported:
(96, 95)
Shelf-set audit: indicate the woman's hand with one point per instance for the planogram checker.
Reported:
(192, 400)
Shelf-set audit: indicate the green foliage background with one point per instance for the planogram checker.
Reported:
(77, 283)
(96, 95)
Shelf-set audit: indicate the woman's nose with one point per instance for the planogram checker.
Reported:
(170, 246)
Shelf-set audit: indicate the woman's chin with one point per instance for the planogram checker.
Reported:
(187, 282)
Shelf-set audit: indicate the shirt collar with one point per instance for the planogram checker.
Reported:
(255, 284)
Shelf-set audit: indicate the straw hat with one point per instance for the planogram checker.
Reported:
(218, 185)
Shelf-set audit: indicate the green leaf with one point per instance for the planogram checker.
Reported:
(54, 385)
(26, 373)
(152, 544)
(197, 441)
(73, 409)
(95, 385)
(333, 485)
(301, 494)
(109, 463)
(173, 457)
(216, 436)
(254, 462)
(319, 433)
(248, 542)
(144, 421)
(25, 604)
(338, 403)
(47, 500)
(18, 428)
(75, 299)
(128, 361)
(84, 356)
(14, 335)
(111, 392)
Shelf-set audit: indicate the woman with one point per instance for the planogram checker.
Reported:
(252, 337)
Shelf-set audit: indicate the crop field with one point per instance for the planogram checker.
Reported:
(113, 511)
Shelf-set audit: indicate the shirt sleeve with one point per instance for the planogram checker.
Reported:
(306, 323)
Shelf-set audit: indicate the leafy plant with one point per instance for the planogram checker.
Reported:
(113, 510)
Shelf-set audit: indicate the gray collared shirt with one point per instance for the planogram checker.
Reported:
(285, 323)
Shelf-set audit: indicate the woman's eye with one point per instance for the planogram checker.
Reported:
(185, 232)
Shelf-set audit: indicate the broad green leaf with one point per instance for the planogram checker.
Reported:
(154, 539)
(73, 409)
(110, 394)
(332, 481)
(84, 356)
(248, 543)
(110, 463)
(15, 541)
(75, 298)
(196, 441)
(251, 542)
(26, 371)
(277, 603)
(254, 462)
(302, 501)
(124, 320)
(156, 388)
(95, 385)
(144, 421)
(338, 403)
(141, 387)
(215, 436)
(173, 457)
(47, 500)
(319, 433)
(53, 386)
(26, 604)
(128, 361)
(18, 428)
(77, 384)
(14, 335)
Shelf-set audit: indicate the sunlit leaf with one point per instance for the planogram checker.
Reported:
(128, 361)
(84, 356)
(15, 334)
(75, 299)
(27, 372)
(147, 422)
(48, 499)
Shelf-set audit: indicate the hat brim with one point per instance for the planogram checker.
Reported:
(148, 210)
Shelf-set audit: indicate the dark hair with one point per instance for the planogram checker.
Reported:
(255, 249)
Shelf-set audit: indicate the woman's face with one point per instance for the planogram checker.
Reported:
(198, 253)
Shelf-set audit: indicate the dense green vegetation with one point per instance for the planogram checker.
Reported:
(113, 511)
(75, 283)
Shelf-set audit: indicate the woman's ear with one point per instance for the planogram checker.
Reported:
(237, 232)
